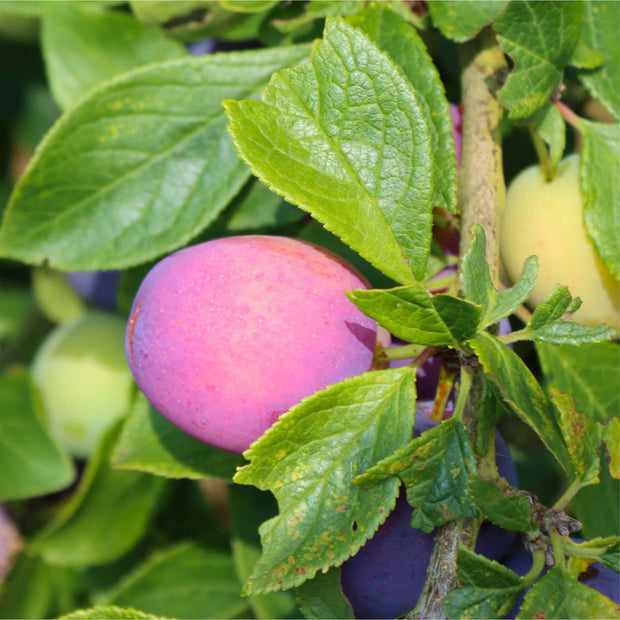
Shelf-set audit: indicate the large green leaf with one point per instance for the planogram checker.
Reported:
(322, 597)
(345, 138)
(590, 374)
(110, 612)
(599, 31)
(138, 167)
(185, 581)
(83, 48)
(31, 463)
(599, 178)
(540, 37)
(406, 48)
(149, 443)
(104, 518)
(460, 20)
(308, 459)
(559, 595)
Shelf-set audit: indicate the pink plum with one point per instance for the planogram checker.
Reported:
(226, 336)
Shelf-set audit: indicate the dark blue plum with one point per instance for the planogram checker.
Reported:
(385, 578)
(96, 287)
(198, 48)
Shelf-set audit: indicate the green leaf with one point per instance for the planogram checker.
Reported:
(82, 49)
(569, 333)
(590, 374)
(582, 437)
(509, 512)
(460, 317)
(149, 443)
(552, 307)
(612, 441)
(308, 459)
(540, 38)
(146, 164)
(322, 598)
(249, 508)
(521, 392)
(345, 138)
(598, 177)
(607, 550)
(104, 518)
(558, 595)
(489, 590)
(107, 612)
(507, 301)
(15, 306)
(434, 467)
(461, 21)
(552, 129)
(475, 275)
(406, 48)
(184, 581)
(248, 6)
(611, 557)
(599, 31)
(31, 463)
(407, 312)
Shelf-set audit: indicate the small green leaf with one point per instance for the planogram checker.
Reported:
(460, 21)
(507, 301)
(489, 590)
(105, 517)
(558, 595)
(598, 175)
(612, 441)
(31, 463)
(582, 437)
(521, 392)
(508, 512)
(149, 443)
(83, 48)
(406, 48)
(552, 307)
(110, 612)
(184, 581)
(249, 508)
(569, 333)
(322, 598)
(475, 275)
(590, 374)
(248, 6)
(146, 164)
(540, 37)
(407, 312)
(345, 138)
(599, 31)
(308, 459)
(434, 467)
(552, 129)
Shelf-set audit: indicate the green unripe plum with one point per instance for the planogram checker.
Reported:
(546, 219)
(83, 380)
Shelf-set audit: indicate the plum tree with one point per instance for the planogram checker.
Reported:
(227, 335)
(385, 578)
(83, 379)
(545, 218)
(96, 287)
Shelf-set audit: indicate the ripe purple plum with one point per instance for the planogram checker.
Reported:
(226, 336)
(385, 578)
(96, 287)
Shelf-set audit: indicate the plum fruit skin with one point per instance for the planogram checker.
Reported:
(385, 578)
(226, 336)
(83, 380)
(546, 219)
(96, 287)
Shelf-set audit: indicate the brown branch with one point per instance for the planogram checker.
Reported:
(481, 196)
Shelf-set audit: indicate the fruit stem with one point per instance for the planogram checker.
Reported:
(543, 154)
(480, 194)
(568, 115)
(408, 351)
